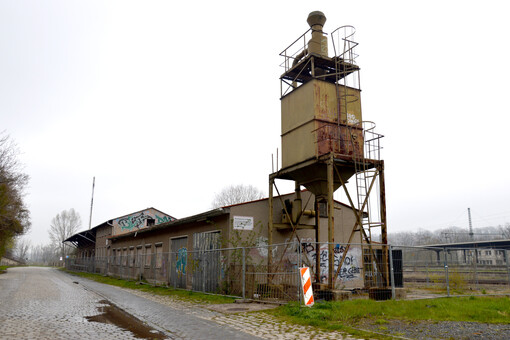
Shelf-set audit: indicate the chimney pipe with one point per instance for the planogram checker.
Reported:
(319, 42)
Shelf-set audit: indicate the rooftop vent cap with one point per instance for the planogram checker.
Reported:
(316, 18)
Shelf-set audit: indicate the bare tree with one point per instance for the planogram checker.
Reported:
(22, 248)
(14, 215)
(43, 255)
(62, 227)
(505, 230)
(403, 238)
(235, 194)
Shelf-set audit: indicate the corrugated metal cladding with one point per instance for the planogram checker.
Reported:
(312, 124)
(179, 255)
(207, 264)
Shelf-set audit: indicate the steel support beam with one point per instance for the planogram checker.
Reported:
(270, 227)
(384, 234)
(331, 221)
(317, 244)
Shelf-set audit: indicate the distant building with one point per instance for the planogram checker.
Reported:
(492, 252)
(94, 242)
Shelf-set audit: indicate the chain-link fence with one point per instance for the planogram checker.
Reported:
(434, 271)
(271, 272)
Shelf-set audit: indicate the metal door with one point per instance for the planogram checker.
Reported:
(207, 259)
(179, 261)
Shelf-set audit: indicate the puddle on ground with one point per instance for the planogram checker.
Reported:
(111, 314)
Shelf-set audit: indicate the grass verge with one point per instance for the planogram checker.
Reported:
(157, 290)
(347, 315)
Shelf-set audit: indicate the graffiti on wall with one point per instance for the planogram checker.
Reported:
(181, 261)
(163, 219)
(133, 221)
(261, 249)
(138, 221)
(351, 119)
(350, 269)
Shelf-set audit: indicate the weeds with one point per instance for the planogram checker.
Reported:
(157, 290)
(473, 309)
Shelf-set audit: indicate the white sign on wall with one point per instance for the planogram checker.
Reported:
(243, 223)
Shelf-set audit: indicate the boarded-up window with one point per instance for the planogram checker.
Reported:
(148, 255)
(138, 254)
(124, 257)
(131, 256)
(159, 255)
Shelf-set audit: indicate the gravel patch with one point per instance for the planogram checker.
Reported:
(438, 329)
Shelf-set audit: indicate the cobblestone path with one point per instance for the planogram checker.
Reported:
(44, 303)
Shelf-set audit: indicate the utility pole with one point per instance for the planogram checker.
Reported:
(470, 225)
(92, 201)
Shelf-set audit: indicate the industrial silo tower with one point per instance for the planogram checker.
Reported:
(326, 143)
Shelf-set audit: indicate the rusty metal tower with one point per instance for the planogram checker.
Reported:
(326, 144)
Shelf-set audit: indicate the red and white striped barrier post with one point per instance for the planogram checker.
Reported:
(306, 283)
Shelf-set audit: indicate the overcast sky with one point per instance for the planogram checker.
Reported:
(167, 102)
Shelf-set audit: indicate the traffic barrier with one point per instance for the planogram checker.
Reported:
(306, 283)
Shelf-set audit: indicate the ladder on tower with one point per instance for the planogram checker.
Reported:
(353, 134)
(349, 130)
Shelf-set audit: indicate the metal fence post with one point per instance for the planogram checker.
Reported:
(476, 267)
(392, 274)
(446, 272)
(507, 266)
(204, 268)
(244, 273)
(298, 264)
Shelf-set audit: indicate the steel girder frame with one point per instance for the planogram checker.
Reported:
(331, 170)
(358, 224)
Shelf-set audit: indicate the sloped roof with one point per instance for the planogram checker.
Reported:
(496, 244)
(87, 237)
(190, 219)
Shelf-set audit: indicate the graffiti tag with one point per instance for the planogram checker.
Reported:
(351, 119)
(138, 221)
(163, 219)
(131, 222)
(181, 261)
(349, 270)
